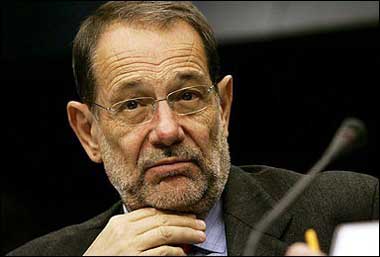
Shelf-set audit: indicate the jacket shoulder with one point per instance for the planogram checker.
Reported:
(71, 240)
(350, 194)
(343, 191)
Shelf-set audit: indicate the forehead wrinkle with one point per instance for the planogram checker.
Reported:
(160, 73)
(156, 67)
(121, 57)
(103, 65)
(122, 65)
(191, 53)
(108, 60)
(167, 63)
(138, 66)
(181, 46)
(97, 64)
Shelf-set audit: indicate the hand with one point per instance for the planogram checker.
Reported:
(148, 232)
(301, 249)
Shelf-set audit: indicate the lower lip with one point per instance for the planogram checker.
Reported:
(165, 169)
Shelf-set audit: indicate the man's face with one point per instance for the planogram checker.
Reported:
(172, 162)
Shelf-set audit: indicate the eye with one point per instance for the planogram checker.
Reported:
(130, 105)
(189, 95)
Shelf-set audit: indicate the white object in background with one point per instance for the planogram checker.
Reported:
(356, 239)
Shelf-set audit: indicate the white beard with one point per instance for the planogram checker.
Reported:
(197, 196)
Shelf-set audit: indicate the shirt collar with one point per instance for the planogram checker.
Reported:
(215, 230)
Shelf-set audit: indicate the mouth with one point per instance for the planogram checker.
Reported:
(168, 169)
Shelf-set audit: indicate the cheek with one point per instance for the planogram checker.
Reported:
(202, 130)
(125, 141)
(131, 145)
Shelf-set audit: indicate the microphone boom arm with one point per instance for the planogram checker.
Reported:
(351, 133)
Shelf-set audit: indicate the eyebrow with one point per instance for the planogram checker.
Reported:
(127, 84)
(118, 90)
(185, 76)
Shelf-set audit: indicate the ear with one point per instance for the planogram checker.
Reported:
(225, 87)
(82, 122)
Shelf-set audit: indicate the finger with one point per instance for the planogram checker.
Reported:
(123, 219)
(141, 214)
(159, 220)
(301, 249)
(149, 211)
(169, 235)
(192, 215)
(164, 250)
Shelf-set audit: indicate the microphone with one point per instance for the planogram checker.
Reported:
(350, 135)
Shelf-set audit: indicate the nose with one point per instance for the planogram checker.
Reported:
(167, 131)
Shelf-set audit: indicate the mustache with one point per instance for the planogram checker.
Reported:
(152, 156)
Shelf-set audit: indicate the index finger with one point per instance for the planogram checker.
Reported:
(164, 219)
(141, 214)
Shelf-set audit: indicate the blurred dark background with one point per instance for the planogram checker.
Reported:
(299, 69)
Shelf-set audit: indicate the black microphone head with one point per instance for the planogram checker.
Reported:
(351, 135)
(355, 132)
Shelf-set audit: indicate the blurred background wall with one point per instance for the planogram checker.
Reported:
(299, 68)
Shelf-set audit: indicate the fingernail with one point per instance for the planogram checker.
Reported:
(201, 224)
(202, 235)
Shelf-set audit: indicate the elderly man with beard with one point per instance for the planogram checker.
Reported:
(155, 112)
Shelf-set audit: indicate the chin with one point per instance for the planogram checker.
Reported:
(173, 197)
(196, 198)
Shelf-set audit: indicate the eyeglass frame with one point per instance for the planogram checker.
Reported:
(154, 103)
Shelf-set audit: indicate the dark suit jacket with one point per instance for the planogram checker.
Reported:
(251, 191)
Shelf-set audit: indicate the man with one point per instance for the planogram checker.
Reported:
(155, 113)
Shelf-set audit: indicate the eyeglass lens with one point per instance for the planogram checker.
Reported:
(183, 101)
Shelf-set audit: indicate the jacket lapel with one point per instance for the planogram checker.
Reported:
(244, 203)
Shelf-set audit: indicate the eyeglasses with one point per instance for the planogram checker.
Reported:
(185, 101)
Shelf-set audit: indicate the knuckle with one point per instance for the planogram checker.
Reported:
(170, 251)
(164, 220)
(114, 219)
(164, 234)
(164, 251)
